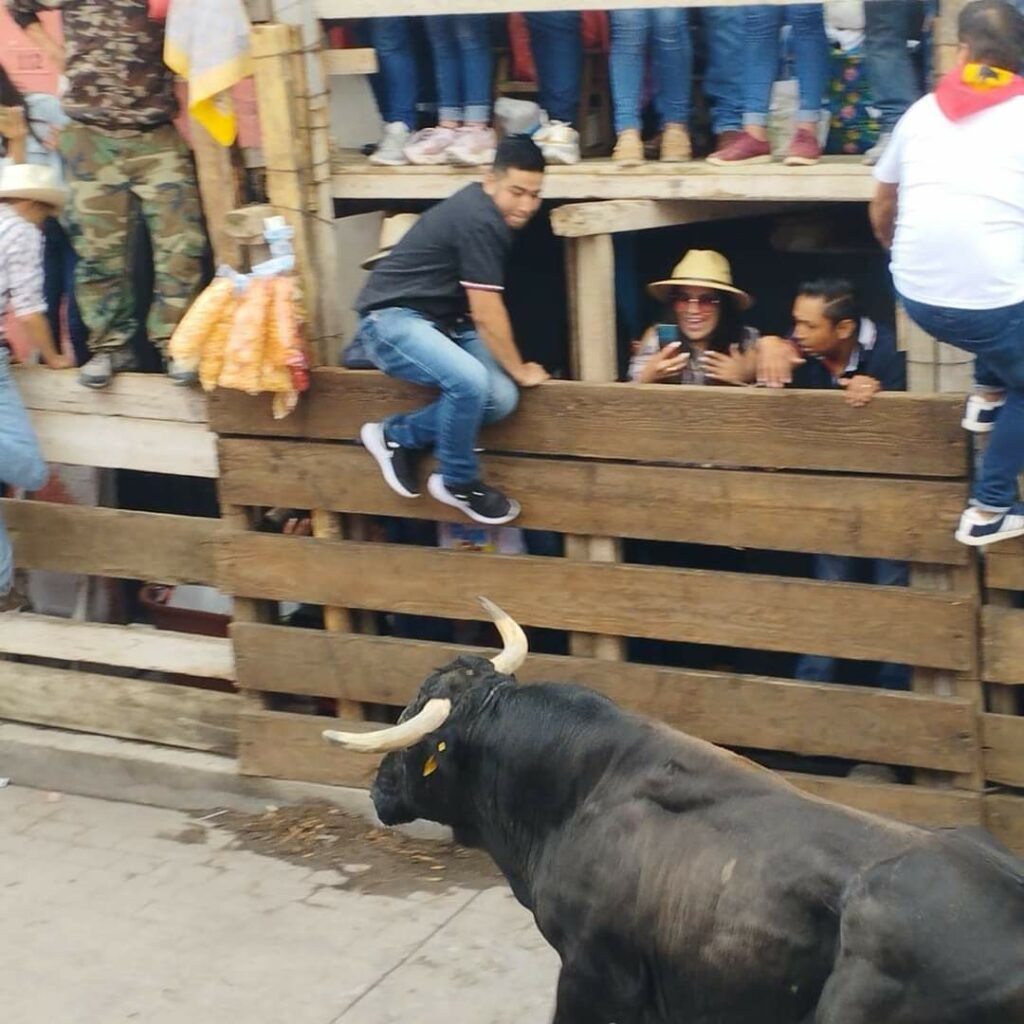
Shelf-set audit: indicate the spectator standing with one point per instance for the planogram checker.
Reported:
(762, 34)
(949, 199)
(397, 92)
(556, 42)
(120, 143)
(433, 313)
(723, 71)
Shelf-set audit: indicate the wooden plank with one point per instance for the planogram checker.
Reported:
(219, 189)
(1004, 566)
(577, 220)
(135, 396)
(1003, 745)
(360, 60)
(149, 445)
(834, 179)
(733, 609)
(859, 723)
(1003, 645)
(139, 647)
(864, 517)
(897, 435)
(1004, 818)
(178, 716)
(111, 542)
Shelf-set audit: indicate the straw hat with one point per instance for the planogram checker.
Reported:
(701, 267)
(392, 231)
(32, 181)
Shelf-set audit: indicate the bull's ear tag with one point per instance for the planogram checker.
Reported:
(442, 747)
(430, 766)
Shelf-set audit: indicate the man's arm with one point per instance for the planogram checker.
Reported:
(37, 327)
(487, 308)
(25, 15)
(882, 211)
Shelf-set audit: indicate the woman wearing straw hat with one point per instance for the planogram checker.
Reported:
(706, 341)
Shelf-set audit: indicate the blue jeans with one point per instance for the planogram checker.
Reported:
(723, 76)
(463, 65)
(557, 47)
(996, 339)
(392, 39)
(59, 262)
(21, 462)
(762, 28)
(474, 388)
(815, 668)
(667, 30)
(891, 74)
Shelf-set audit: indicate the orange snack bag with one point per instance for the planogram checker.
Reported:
(243, 354)
(215, 304)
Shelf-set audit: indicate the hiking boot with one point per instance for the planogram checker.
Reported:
(430, 146)
(629, 149)
(517, 117)
(474, 146)
(675, 145)
(981, 413)
(479, 501)
(874, 154)
(180, 376)
(98, 372)
(977, 528)
(804, 150)
(559, 142)
(390, 150)
(744, 149)
(397, 465)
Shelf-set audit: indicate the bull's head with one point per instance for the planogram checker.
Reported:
(418, 778)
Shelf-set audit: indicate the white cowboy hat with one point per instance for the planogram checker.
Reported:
(392, 231)
(701, 267)
(32, 181)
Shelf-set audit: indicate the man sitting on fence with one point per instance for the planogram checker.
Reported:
(949, 200)
(433, 313)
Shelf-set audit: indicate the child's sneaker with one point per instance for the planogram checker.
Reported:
(398, 465)
(479, 501)
(977, 528)
(390, 150)
(981, 413)
(474, 146)
(430, 146)
(559, 142)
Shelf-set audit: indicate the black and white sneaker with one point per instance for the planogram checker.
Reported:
(398, 465)
(977, 529)
(480, 502)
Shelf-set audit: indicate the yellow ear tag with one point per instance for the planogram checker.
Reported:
(442, 747)
(430, 766)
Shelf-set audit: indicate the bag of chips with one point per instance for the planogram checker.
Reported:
(243, 353)
(214, 305)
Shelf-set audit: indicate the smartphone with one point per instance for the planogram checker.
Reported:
(668, 334)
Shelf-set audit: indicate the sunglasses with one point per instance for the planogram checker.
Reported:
(707, 301)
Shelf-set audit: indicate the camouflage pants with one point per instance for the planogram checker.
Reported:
(110, 174)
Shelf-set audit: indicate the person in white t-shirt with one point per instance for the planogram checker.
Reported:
(949, 201)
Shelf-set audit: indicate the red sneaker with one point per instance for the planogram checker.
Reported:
(803, 150)
(744, 149)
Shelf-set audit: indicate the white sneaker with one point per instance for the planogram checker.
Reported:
(474, 146)
(874, 154)
(517, 117)
(430, 146)
(391, 148)
(559, 142)
(977, 528)
(980, 413)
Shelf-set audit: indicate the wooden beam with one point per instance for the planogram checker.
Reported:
(1003, 742)
(354, 61)
(137, 647)
(219, 189)
(579, 220)
(111, 542)
(732, 609)
(1003, 645)
(1004, 566)
(897, 435)
(1004, 818)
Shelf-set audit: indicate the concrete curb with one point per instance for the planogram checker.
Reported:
(144, 773)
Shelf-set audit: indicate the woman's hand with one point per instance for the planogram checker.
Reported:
(665, 365)
(726, 369)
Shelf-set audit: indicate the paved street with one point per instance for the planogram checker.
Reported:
(116, 912)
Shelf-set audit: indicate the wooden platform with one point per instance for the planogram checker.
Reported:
(835, 179)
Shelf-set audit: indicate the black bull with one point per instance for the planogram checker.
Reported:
(682, 884)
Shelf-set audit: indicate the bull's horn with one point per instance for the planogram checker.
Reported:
(432, 716)
(516, 646)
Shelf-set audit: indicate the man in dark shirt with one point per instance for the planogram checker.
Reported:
(433, 313)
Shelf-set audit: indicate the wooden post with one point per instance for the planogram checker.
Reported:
(944, 36)
(219, 189)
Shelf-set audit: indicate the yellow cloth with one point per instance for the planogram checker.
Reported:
(981, 76)
(207, 43)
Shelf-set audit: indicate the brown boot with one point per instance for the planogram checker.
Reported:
(629, 149)
(675, 145)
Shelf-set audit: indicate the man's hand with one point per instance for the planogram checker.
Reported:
(776, 358)
(882, 213)
(529, 375)
(726, 369)
(52, 49)
(665, 365)
(860, 389)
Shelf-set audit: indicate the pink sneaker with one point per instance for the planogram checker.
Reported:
(803, 150)
(744, 149)
(430, 146)
(474, 146)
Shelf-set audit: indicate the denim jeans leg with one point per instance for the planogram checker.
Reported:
(810, 55)
(672, 61)
(818, 668)
(392, 39)
(76, 325)
(985, 378)
(476, 61)
(723, 76)
(447, 76)
(502, 390)
(888, 573)
(629, 31)
(557, 45)
(54, 244)
(761, 28)
(890, 72)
